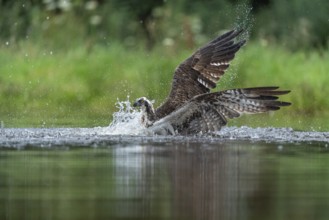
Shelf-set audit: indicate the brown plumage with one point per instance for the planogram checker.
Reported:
(190, 107)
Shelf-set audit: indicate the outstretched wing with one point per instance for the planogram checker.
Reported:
(200, 72)
(209, 112)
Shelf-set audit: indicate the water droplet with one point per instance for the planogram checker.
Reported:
(7, 43)
(51, 52)
(47, 17)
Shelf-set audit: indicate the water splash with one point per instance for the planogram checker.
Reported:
(21, 138)
(126, 121)
(244, 19)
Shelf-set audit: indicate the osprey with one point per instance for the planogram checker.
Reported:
(191, 108)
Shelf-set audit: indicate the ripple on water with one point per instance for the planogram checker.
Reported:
(126, 129)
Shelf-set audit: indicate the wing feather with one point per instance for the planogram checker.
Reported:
(201, 72)
(235, 102)
(209, 112)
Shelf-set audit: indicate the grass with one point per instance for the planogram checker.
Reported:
(79, 86)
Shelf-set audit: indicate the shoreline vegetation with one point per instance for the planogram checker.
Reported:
(66, 63)
(79, 87)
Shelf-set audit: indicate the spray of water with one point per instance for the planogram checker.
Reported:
(126, 121)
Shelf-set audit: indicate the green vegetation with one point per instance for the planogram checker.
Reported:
(80, 87)
(67, 64)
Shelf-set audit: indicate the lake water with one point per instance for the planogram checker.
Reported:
(89, 173)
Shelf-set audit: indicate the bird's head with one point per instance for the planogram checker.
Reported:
(143, 102)
(148, 111)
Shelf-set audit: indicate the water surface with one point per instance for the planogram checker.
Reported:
(87, 173)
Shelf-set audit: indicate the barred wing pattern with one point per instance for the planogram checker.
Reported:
(209, 112)
(200, 72)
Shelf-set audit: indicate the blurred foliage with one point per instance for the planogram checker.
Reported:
(51, 87)
(295, 23)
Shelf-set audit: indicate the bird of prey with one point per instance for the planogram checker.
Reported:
(191, 108)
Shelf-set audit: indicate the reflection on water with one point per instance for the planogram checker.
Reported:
(232, 180)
